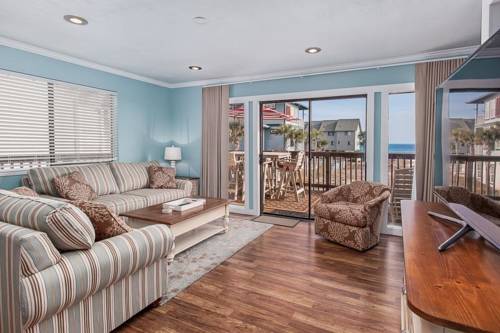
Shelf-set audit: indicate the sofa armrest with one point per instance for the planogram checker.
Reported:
(11, 239)
(374, 207)
(89, 271)
(185, 185)
(149, 244)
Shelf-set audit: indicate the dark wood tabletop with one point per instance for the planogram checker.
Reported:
(458, 288)
(154, 214)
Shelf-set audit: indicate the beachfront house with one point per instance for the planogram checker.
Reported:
(337, 135)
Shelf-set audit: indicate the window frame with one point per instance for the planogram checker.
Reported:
(52, 159)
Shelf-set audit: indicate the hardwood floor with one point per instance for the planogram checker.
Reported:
(289, 280)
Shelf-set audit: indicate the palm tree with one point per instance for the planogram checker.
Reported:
(315, 137)
(487, 137)
(463, 137)
(362, 138)
(322, 143)
(296, 135)
(284, 130)
(291, 133)
(236, 132)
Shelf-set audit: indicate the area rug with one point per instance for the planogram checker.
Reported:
(193, 263)
(282, 221)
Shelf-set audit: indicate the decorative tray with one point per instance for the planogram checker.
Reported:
(184, 204)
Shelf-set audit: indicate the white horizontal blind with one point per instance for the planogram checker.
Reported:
(44, 122)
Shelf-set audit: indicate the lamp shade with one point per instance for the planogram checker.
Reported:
(173, 153)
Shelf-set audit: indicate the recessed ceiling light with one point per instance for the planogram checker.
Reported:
(313, 50)
(200, 19)
(195, 68)
(76, 19)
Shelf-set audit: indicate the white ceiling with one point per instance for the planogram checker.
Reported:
(260, 38)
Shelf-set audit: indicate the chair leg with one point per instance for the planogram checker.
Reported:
(294, 186)
(243, 188)
(301, 182)
(236, 187)
(282, 184)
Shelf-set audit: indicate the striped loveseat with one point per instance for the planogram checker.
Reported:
(55, 278)
(120, 186)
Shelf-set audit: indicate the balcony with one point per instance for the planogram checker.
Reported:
(330, 169)
(477, 173)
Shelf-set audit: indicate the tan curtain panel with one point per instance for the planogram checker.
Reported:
(428, 76)
(214, 172)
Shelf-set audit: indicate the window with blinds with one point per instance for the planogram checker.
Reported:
(44, 122)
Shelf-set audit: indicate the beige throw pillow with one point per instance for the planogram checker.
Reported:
(106, 223)
(74, 187)
(161, 177)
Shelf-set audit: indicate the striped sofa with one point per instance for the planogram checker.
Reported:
(45, 286)
(120, 186)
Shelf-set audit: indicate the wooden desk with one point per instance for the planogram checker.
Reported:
(458, 288)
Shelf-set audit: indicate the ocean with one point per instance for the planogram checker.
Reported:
(401, 148)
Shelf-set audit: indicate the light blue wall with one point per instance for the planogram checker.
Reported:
(350, 79)
(184, 128)
(142, 107)
(185, 106)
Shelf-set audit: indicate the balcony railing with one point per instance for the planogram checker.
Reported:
(331, 169)
(477, 173)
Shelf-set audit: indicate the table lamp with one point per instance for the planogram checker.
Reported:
(173, 154)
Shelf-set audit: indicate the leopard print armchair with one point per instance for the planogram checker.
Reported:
(352, 214)
(487, 207)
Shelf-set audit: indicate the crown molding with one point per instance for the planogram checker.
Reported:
(461, 52)
(78, 61)
(389, 62)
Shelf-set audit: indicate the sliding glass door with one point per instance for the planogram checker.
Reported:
(282, 158)
(308, 147)
(338, 141)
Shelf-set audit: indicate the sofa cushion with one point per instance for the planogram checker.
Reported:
(26, 191)
(161, 177)
(343, 212)
(106, 223)
(131, 176)
(158, 196)
(98, 176)
(67, 227)
(121, 203)
(80, 274)
(73, 187)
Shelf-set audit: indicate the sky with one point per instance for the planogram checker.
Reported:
(401, 114)
(402, 118)
(459, 108)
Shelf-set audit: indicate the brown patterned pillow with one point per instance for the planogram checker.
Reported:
(106, 223)
(74, 187)
(161, 177)
(26, 191)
